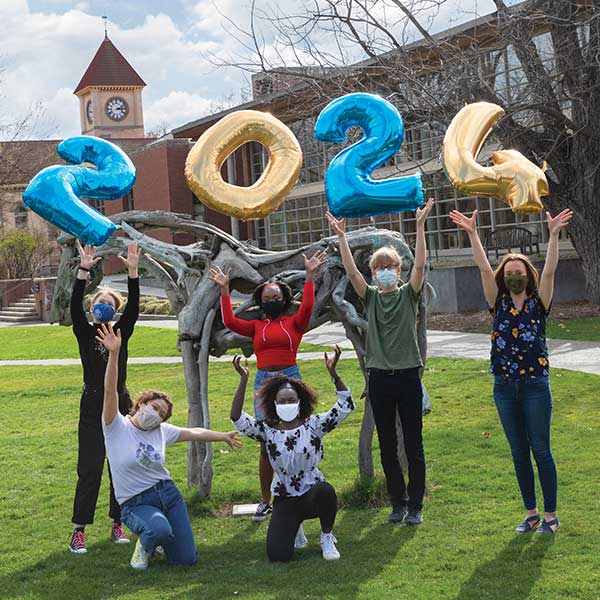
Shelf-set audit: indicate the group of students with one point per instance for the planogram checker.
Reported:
(134, 436)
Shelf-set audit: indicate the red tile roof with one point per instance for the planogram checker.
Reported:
(109, 67)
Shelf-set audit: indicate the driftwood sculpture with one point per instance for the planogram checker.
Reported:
(183, 272)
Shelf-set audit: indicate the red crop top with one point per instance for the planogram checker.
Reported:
(276, 341)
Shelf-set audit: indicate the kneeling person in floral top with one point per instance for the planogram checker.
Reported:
(293, 437)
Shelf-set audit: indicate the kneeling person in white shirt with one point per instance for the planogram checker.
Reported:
(151, 505)
(293, 438)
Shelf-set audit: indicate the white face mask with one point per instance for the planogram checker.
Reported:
(148, 418)
(386, 277)
(287, 412)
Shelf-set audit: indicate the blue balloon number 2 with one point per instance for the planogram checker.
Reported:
(350, 189)
(56, 192)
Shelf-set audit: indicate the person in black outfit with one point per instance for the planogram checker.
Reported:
(94, 358)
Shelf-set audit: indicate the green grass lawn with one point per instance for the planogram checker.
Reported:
(584, 330)
(59, 342)
(466, 549)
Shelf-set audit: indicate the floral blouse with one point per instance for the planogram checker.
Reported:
(295, 453)
(519, 350)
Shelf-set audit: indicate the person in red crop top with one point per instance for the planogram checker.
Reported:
(276, 338)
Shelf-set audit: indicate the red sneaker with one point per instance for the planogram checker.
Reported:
(77, 543)
(117, 535)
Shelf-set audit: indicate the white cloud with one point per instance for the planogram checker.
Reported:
(177, 108)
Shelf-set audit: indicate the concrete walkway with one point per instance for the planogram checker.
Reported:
(564, 354)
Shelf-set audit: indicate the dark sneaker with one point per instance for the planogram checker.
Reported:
(117, 535)
(77, 543)
(414, 517)
(398, 513)
(548, 527)
(529, 524)
(262, 511)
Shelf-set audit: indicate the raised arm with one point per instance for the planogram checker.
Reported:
(87, 259)
(238, 400)
(112, 342)
(555, 224)
(490, 288)
(356, 277)
(132, 308)
(240, 326)
(418, 271)
(302, 317)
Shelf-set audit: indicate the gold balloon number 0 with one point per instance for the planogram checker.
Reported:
(204, 162)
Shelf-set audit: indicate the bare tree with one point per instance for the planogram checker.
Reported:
(539, 60)
(183, 272)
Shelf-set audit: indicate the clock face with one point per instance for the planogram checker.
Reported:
(116, 108)
(89, 111)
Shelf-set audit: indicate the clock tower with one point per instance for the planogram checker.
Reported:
(110, 96)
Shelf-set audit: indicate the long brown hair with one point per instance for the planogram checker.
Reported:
(147, 396)
(532, 273)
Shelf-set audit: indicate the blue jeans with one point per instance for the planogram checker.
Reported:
(525, 409)
(160, 518)
(262, 376)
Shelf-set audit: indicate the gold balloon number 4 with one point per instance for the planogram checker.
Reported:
(513, 178)
(204, 162)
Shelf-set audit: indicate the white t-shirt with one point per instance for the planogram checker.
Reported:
(136, 457)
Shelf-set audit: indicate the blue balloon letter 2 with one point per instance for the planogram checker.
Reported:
(350, 189)
(56, 192)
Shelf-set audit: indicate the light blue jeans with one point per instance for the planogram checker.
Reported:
(160, 518)
(261, 377)
(525, 408)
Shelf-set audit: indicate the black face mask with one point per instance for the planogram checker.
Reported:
(273, 308)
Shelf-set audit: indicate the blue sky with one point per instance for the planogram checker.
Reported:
(48, 44)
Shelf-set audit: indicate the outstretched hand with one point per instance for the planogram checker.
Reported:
(331, 362)
(314, 262)
(241, 368)
(560, 221)
(423, 212)
(220, 277)
(133, 256)
(108, 338)
(469, 224)
(232, 439)
(338, 225)
(87, 255)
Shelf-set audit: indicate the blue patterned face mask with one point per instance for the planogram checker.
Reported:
(103, 312)
(386, 277)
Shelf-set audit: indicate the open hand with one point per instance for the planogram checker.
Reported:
(331, 362)
(338, 225)
(87, 255)
(423, 212)
(108, 338)
(241, 368)
(469, 224)
(314, 262)
(220, 277)
(133, 257)
(232, 439)
(560, 221)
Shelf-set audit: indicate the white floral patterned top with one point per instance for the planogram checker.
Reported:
(295, 453)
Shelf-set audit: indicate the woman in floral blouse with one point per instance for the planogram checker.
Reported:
(519, 362)
(293, 437)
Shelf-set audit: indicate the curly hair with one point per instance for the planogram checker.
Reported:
(148, 395)
(286, 292)
(268, 392)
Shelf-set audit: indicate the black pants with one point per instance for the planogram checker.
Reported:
(91, 456)
(288, 513)
(400, 391)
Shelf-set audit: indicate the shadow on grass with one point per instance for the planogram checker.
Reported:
(512, 573)
(232, 564)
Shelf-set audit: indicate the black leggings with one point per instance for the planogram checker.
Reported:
(289, 512)
(91, 456)
(400, 392)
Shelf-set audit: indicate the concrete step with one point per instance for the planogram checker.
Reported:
(19, 309)
(11, 318)
(23, 304)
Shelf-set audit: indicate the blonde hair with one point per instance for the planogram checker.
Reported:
(147, 396)
(118, 299)
(532, 273)
(385, 255)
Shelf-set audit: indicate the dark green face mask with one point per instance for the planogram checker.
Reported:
(515, 283)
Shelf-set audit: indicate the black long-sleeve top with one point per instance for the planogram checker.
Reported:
(94, 356)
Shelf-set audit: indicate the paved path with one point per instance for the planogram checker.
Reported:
(564, 354)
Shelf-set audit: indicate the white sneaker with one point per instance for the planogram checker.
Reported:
(330, 552)
(300, 541)
(140, 557)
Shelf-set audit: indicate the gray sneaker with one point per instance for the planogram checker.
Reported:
(398, 513)
(262, 511)
(414, 517)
